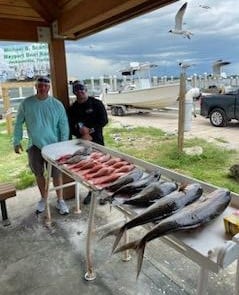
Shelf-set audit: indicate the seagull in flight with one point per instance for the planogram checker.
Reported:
(178, 23)
(205, 6)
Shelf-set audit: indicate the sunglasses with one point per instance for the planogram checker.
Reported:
(43, 80)
(79, 87)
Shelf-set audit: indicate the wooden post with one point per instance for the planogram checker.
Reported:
(181, 111)
(58, 70)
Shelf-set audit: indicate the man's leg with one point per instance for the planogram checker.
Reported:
(57, 181)
(41, 183)
(36, 163)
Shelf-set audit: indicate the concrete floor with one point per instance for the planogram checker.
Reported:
(40, 261)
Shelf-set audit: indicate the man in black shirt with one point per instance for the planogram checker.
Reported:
(87, 112)
(87, 116)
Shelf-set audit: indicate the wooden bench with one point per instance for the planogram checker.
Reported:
(7, 190)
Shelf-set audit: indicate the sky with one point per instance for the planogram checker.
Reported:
(146, 39)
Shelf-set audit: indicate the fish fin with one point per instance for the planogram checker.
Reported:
(140, 250)
(119, 235)
(132, 245)
(110, 233)
(182, 186)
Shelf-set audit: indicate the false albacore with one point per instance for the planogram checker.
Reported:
(191, 216)
(151, 192)
(161, 209)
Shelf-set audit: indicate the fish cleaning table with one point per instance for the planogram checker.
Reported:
(208, 246)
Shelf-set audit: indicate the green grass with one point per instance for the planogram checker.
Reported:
(13, 167)
(155, 146)
(150, 144)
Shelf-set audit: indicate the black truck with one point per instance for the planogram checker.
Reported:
(220, 108)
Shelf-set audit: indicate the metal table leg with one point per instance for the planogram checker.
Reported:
(90, 274)
(77, 198)
(202, 282)
(5, 219)
(48, 179)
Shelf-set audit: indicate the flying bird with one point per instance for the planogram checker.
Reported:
(179, 22)
(205, 6)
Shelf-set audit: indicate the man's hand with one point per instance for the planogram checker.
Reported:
(84, 130)
(18, 149)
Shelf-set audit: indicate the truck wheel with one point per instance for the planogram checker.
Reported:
(114, 111)
(218, 118)
(120, 111)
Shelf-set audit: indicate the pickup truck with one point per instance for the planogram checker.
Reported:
(220, 108)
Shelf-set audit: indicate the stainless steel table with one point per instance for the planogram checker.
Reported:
(208, 246)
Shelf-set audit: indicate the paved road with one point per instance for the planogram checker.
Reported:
(167, 120)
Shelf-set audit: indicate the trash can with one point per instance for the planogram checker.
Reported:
(188, 107)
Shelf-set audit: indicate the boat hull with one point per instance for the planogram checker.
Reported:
(150, 98)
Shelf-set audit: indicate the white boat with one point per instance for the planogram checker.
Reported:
(138, 91)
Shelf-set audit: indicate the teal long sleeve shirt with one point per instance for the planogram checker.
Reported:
(46, 121)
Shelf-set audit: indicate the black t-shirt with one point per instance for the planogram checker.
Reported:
(91, 114)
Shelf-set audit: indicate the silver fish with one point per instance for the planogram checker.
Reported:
(154, 190)
(136, 186)
(192, 216)
(162, 208)
(132, 176)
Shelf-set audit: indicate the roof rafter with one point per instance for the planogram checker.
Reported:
(48, 10)
(105, 14)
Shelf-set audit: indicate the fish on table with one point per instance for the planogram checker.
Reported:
(106, 179)
(151, 192)
(134, 175)
(136, 186)
(81, 153)
(162, 208)
(192, 216)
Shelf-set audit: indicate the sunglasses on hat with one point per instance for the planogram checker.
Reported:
(43, 80)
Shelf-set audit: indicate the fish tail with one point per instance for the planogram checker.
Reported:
(132, 245)
(119, 235)
(140, 250)
(139, 247)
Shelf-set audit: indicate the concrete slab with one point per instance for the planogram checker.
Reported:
(40, 261)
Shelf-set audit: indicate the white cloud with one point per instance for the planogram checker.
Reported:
(82, 67)
(146, 38)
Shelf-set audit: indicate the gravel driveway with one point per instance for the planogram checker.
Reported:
(167, 120)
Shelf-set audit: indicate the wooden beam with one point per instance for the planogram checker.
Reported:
(103, 14)
(48, 10)
(19, 30)
(58, 70)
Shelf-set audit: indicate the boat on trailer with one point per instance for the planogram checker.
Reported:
(138, 91)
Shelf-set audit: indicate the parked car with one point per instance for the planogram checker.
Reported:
(220, 108)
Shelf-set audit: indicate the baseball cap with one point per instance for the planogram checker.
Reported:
(42, 79)
(77, 85)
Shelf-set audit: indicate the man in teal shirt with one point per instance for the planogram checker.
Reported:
(46, 121)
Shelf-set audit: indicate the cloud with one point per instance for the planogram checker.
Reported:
(82, 66)
(146, 38)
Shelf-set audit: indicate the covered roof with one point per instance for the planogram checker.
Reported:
(35, 20)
